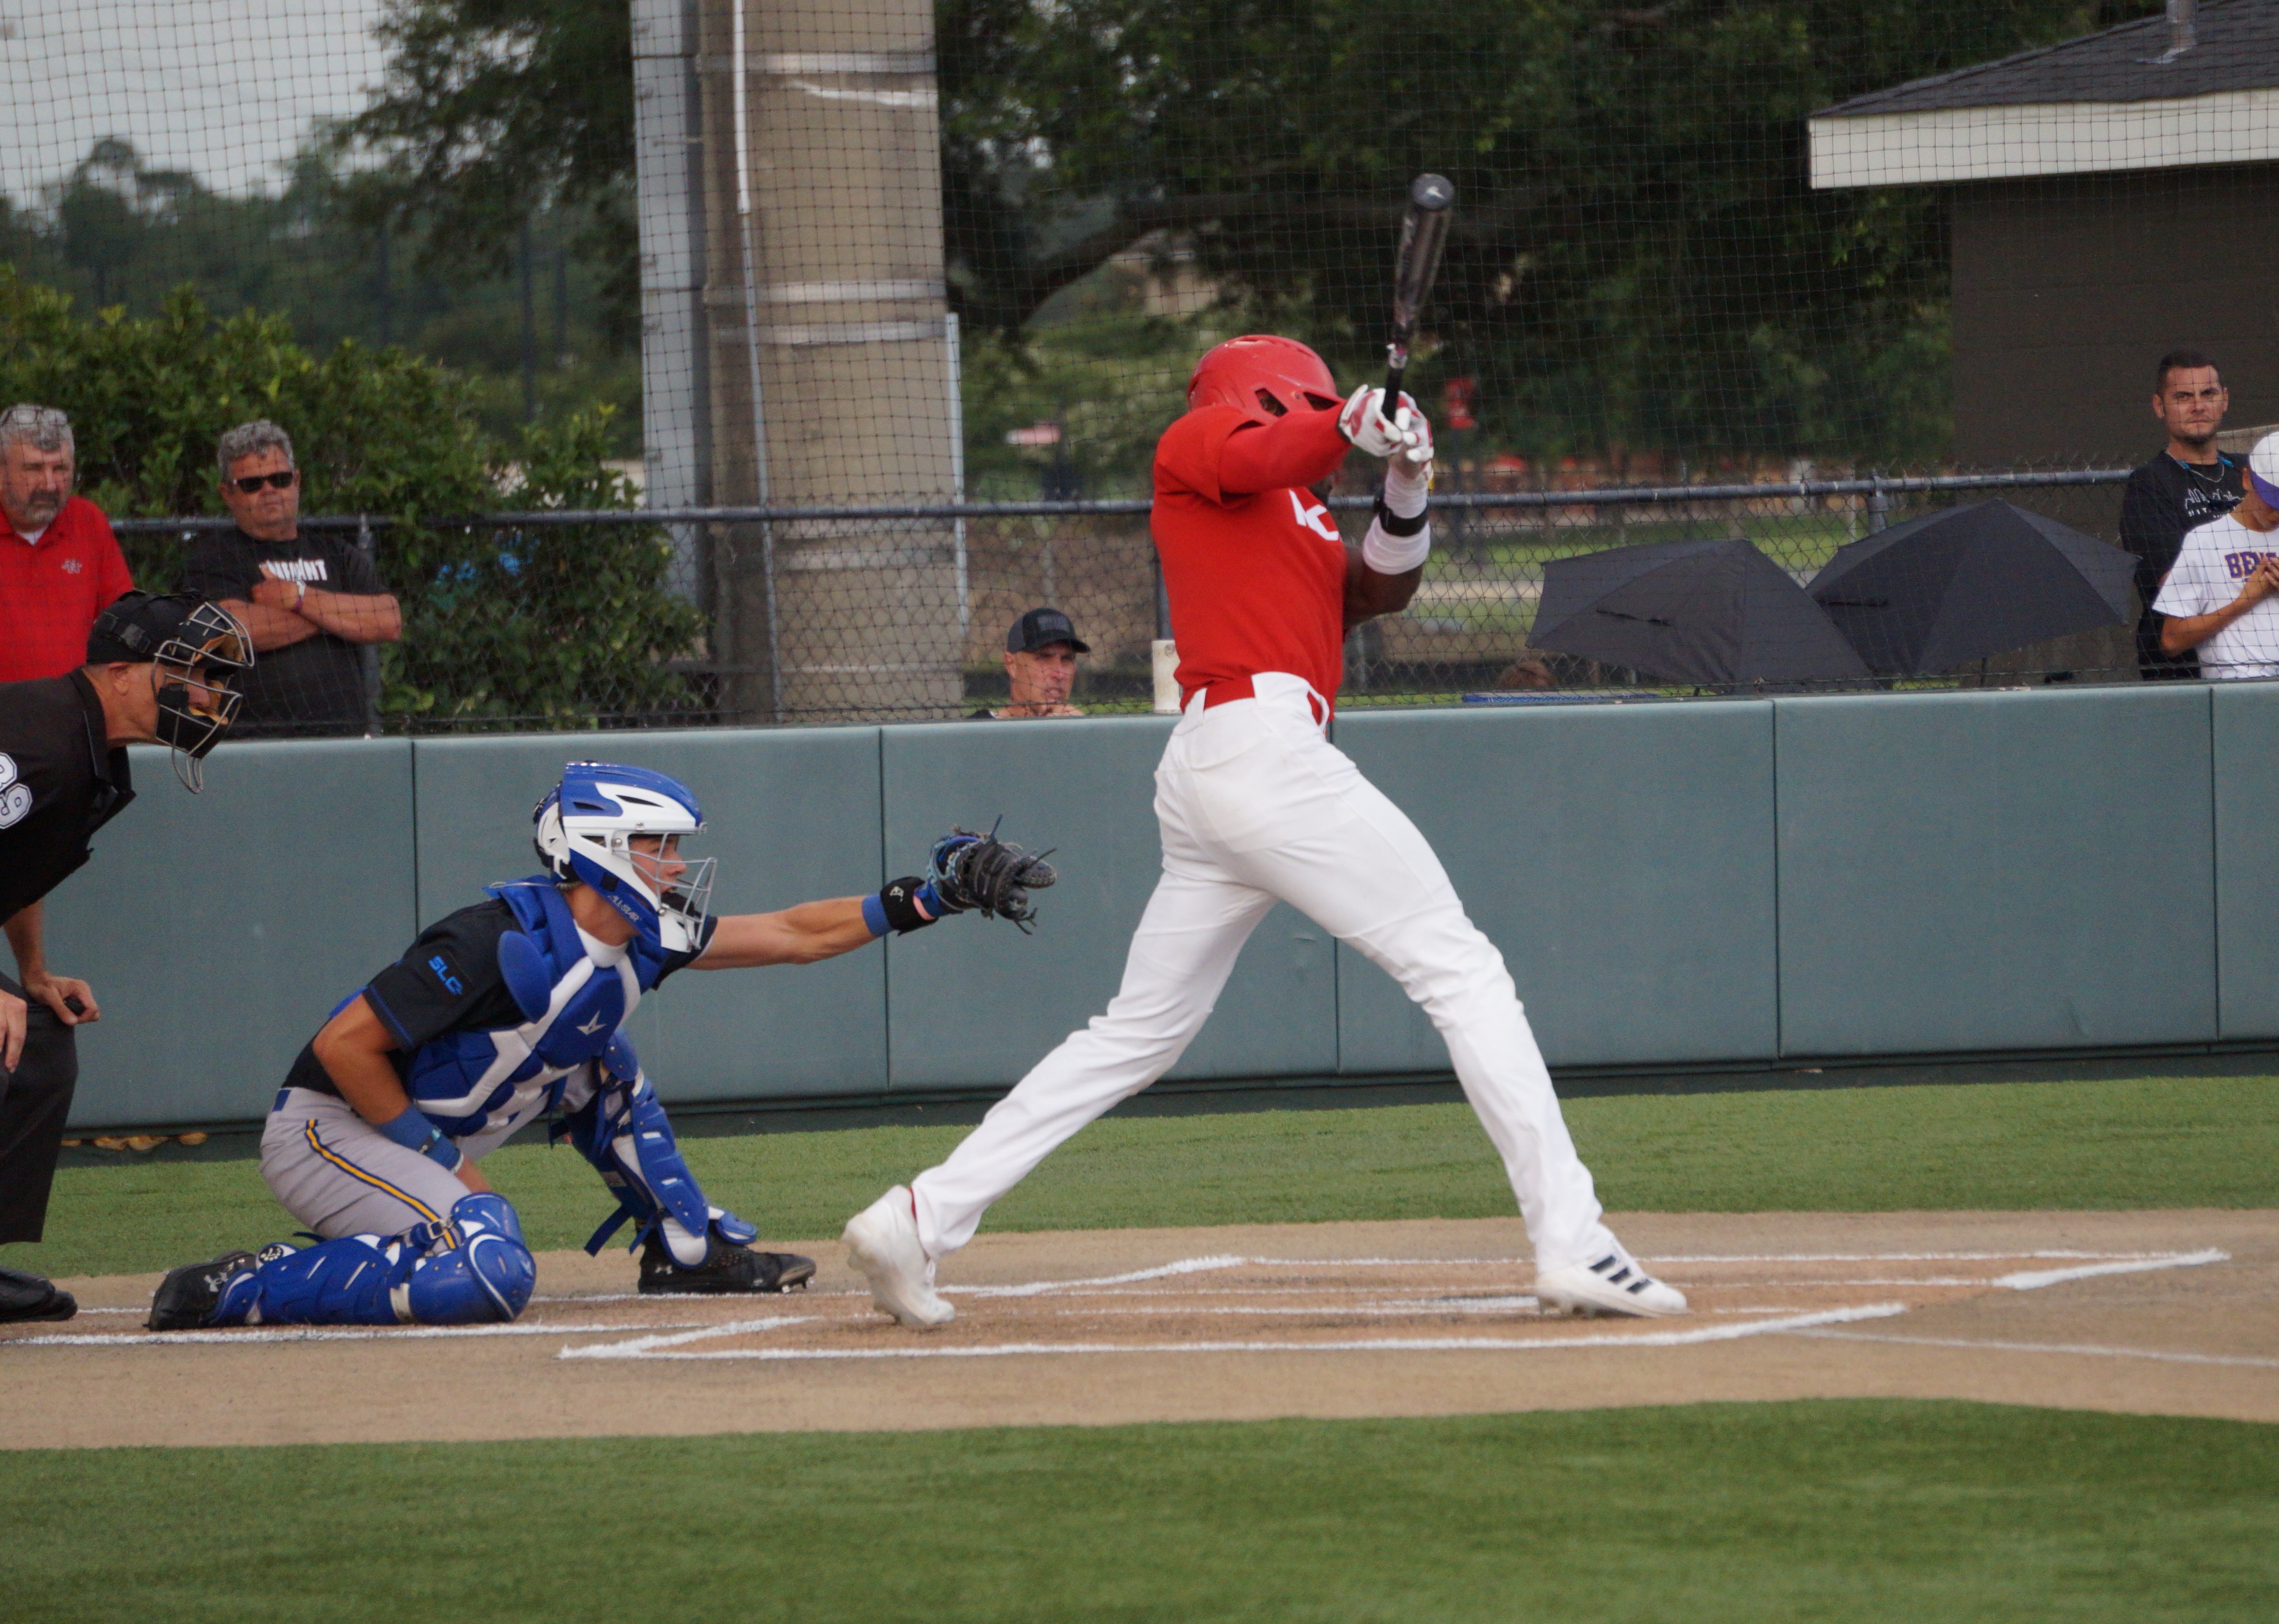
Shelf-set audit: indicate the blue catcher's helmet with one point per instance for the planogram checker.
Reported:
(585, 830)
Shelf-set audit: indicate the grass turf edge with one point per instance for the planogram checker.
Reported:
(1807, 1509)
(2108, 1144)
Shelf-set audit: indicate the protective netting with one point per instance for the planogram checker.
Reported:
(1743, 283)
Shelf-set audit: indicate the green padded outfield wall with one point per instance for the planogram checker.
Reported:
(2246, 859)
(1711, 881)
(975, 1002)
(1989, 871)
(218, 930)
(1621, 856)
(791, 814)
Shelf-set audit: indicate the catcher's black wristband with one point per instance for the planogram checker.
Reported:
(1393, 524)
(896, 908)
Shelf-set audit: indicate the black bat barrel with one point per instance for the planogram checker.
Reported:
(1424, 234)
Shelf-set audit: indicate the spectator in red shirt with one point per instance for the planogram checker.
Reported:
(59, 564)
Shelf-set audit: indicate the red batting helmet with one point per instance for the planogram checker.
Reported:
(1262, 377)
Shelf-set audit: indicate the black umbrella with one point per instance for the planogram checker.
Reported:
(1940, 591)
(1712, 612)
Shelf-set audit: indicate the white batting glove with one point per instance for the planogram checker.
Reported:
(1414, 460)
(1362, 421)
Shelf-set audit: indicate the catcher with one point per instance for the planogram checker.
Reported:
(510, 1010)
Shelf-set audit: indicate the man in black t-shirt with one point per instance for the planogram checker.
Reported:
(2187, 485)
(312, 603)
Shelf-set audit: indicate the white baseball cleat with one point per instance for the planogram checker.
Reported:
(1614, 1285)
(882, 1241)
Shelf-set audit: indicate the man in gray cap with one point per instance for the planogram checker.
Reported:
(1040, 654)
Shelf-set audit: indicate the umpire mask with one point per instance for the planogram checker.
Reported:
(195, 649)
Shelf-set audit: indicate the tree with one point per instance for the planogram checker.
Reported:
(1638, 258)
(493, 109)
(559, 626)
(115, 230)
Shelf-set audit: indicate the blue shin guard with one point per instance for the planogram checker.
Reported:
(623, 1131)
(473, 1270)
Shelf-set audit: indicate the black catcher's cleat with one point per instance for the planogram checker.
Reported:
(726, 1269)
(186, 1299)
(25, 1298)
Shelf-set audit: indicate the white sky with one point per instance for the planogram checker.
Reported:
(226, 89)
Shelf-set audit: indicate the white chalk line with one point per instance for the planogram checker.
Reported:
(248, 1335)
(1319, 1311)
(2092, 1264)
(1192, 1266)
(1186, 1265)
(2035, 1279)
(1898, 1257)
(2091, 1348)
(648, 1346)
(1373, 1344)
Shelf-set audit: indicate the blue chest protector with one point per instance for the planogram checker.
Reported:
(465, 1082)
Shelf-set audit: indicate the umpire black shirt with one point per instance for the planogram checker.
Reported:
(60, 782)
(309, 687)
(2166, 498)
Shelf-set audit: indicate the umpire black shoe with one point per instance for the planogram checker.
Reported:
(186, 1299)
(26, 1298)
(726, 1269)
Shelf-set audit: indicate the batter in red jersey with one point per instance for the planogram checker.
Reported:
(1257, 806)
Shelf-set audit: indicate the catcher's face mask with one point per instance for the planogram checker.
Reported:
(191, 679)
(682, 888)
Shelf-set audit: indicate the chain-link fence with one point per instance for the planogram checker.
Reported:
(844, 287)
(934, 647)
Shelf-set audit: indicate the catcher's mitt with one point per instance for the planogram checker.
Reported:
(985, 875)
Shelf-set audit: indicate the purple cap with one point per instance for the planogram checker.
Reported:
(2263, 471)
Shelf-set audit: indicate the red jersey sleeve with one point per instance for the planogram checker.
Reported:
(1220, 455)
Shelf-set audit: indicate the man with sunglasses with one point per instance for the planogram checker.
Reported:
(312, 602)
(157, 670)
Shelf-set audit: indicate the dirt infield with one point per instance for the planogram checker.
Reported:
(2173, 1312)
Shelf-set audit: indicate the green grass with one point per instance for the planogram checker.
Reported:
(1857, 1510)
(2156, 1141)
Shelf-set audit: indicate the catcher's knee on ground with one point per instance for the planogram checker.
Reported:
(472, 1269)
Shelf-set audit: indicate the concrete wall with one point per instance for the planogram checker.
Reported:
(1673, 884)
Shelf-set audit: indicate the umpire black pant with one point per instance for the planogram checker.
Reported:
(34, 1099)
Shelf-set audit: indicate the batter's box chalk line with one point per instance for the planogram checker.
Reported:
(675, 1340)
(2091, 1350)
(2080, 1265)
(1366, 1345)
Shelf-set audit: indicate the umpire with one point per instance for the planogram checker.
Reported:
(158, 671)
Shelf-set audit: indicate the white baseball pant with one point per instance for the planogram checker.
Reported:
(1256, 805)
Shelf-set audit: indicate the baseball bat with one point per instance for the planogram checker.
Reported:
(1424, 233)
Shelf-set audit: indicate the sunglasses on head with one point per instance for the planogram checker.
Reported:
(252, 482)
